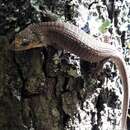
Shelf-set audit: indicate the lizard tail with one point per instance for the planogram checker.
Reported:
(119, 61)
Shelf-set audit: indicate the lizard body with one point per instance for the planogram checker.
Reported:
(69, 37)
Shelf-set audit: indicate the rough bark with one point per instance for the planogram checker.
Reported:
(42, 89)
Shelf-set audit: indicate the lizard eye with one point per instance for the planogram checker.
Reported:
(25, 42)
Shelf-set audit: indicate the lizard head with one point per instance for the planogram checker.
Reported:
(26, 39)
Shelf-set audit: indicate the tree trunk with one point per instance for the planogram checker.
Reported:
(48, 88)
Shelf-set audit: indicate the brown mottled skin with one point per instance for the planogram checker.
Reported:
(69, 37)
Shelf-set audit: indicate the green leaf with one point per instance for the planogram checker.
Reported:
(104, 26)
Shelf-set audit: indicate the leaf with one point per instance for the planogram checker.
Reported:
(104, 26)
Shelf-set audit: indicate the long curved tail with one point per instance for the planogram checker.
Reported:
(119, 61)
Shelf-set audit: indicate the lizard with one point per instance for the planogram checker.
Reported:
(69, 37)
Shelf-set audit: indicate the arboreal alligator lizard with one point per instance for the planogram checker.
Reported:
(69, 37)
